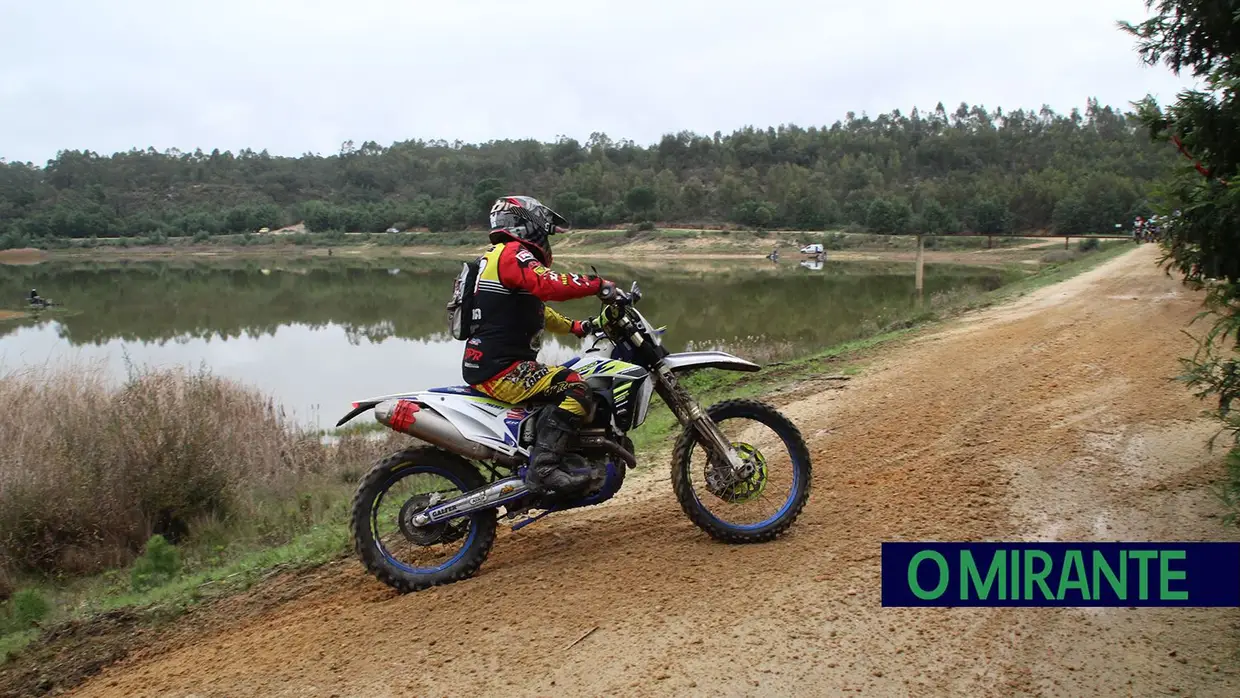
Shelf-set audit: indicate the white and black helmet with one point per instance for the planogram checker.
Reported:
(526, 219)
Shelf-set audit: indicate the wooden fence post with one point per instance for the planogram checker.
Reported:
(921, 249)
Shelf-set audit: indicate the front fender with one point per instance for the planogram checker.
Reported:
(708, 359)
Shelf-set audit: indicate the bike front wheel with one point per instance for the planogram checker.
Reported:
(766, 501)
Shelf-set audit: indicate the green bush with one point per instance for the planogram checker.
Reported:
(1088, 244)
(160, 564)
(25, 610)
(13, 240)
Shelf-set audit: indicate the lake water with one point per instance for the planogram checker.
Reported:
(317, 334)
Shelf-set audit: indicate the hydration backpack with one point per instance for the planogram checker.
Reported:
(463, 315)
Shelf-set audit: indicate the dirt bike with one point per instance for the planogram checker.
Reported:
(478, 449)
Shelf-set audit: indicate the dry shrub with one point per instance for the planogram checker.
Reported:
(90, 470)
(1060, 256)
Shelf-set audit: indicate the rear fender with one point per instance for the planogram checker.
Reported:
(369, 403)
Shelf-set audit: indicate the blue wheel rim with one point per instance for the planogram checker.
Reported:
(374, 515)
(794, 493)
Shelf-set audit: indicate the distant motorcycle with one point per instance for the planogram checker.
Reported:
(479, 447)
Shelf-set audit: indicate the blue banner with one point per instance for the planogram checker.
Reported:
(1061, 574)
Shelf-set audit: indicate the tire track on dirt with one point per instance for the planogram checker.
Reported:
(1047, 418)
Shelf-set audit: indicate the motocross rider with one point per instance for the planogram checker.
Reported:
(501, 355)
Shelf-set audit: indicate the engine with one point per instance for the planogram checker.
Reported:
(606, 473)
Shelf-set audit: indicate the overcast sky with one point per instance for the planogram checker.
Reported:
(305, 75)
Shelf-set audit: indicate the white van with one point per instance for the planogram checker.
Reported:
(812, 249)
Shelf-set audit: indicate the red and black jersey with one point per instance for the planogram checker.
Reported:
(512, 285)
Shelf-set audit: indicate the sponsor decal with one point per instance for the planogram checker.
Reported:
(436, 515)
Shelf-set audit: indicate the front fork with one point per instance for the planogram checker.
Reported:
(723, 457)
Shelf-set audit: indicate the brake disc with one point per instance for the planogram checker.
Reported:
(751, 481)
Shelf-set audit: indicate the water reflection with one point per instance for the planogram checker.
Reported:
(317, 335)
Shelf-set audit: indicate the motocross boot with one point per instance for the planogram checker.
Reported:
(550, 461)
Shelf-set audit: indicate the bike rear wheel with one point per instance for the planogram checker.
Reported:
(409, 558)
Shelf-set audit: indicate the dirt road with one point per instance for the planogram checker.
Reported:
(1047, 419)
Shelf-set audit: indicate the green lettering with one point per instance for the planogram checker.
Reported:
(1143, 578)
(1073, 563)
(1015, 575)
(1166, 575)
(1038, 577)
(969, 574)
(944, 575)
(1120, 584)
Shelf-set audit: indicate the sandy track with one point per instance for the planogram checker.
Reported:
(1050, 418)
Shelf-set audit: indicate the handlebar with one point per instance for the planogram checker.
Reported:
(621, 298)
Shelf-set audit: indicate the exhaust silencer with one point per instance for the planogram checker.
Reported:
(410, 418)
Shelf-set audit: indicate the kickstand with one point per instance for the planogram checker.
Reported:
(522, 524)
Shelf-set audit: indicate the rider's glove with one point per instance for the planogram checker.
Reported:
(606, 290)
(587, 327)
(583, 328)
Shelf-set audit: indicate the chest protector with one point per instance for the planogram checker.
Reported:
(506, 324)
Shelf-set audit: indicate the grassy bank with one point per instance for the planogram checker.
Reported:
(216, 468)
